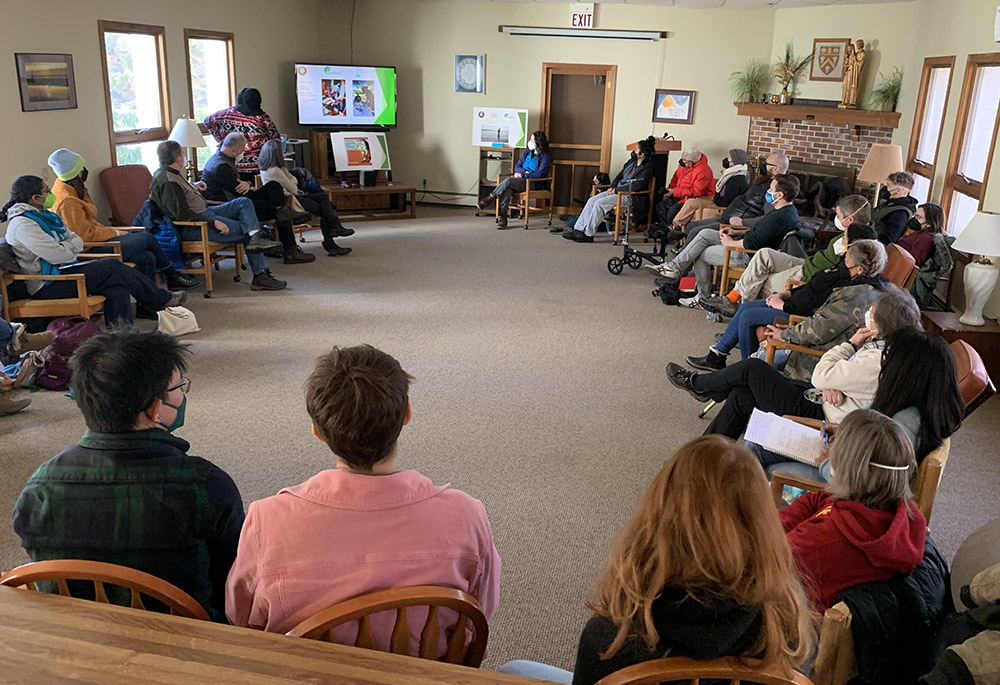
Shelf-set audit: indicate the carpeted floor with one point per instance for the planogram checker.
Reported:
(539, 390)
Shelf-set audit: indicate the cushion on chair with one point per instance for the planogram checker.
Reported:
(127, 187)
(899, 266)
(972, 375)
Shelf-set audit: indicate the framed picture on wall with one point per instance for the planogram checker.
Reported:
(673, 106)
(46, 81)
(828, 59)
(470, 73)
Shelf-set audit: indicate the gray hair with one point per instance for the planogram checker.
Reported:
(691, 153)
(902, 178)
(869, 255)
(270, 156)
(234, 140)
(873, 461)
(167, 152)
(781, 161)
(894, 310)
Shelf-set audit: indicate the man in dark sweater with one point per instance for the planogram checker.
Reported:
(128, 493)
(222, 184)
(708, 248)
(895, 207)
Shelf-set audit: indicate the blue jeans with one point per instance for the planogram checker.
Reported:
(141, 249)
(772, 461)
(742, 327)
(6, 333)
(534, 669)
(240, 217)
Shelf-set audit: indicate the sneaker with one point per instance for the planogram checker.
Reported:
(9, 406)
(718, 337)
(654, 268)
(178, 281)
(681, 378)
(260, 242)
(265, 281)
(177, 298)
(294, 255)
(713, 361)
(720, 305)
(27, 342)
(289, 214)
(690, 302)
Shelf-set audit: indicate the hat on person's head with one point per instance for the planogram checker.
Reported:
(66, 163)
(737, 156)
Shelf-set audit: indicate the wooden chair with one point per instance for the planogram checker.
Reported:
(137, 582)
(708, 211)
(522, 201)
(973, 380)
(84, 305)
(209, 254)
(901, 267)
(835, 661)
(320, 626)
(730, 669)
(617, 211)
(297, 229)
(731, 273)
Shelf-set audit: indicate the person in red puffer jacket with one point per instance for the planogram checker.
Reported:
(693, 178)
(865, 528)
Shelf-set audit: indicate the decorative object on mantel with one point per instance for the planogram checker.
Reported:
(673, 106)
(748, 84)
(882, 160)
(787, 69)
(854, 62)
(46, 81)
(828, 59)
(886, 94)
(981, 237)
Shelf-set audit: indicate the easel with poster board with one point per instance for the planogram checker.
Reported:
(498, 133)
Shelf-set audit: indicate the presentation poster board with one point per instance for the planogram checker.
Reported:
(360, 151)
(496, 127)
(330, 95)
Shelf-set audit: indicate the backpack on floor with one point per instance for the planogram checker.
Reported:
(70, 331)
(670, 293)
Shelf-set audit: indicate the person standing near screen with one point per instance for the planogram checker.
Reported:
(249, 119)
(535, 162)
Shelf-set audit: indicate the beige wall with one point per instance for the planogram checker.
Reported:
(434, 137)
(265, 52)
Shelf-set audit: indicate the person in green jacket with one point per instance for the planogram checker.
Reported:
(772, 266)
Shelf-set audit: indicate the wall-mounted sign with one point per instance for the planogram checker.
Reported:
(581, 15)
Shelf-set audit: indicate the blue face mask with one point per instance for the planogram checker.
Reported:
(769, 197)
(179, 418)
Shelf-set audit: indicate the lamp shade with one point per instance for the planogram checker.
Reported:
(883, 159)
(187, 133)
(981, 236)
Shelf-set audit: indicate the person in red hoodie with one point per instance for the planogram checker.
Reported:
(865, 528)
(693, 178)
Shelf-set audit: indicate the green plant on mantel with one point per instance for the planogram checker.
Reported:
(886, 94)
(788, 68)
(750, 81)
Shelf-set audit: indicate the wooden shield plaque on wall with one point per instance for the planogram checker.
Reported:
(828, 59)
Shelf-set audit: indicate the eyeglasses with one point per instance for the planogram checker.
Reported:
(183, 386)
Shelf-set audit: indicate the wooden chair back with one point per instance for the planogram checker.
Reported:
(620, 215)
(901, 267)
(929, 477)
(973, 380)
(320, 626)
(835, 662)
(731, 669)
(83, 304)
(127, 188)
(137, 582)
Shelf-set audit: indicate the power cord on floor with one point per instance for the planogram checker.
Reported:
(458, 196)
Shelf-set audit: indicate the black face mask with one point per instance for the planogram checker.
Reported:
(762, 169)
(726, 164)
(914, 224)
(843, 271)
(883, 195)
(84, 174)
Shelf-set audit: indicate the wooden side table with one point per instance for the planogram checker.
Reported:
(984, 339)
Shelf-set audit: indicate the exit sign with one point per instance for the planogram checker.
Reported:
(581, 15)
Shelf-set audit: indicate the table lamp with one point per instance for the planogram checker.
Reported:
(883, 159)
(981, 237)
(189, 135)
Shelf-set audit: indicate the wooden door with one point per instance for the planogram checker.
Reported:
(578, 109)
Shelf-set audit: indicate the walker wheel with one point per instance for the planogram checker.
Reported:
(634, 261)
(550, 222)
(208, 294)
(645, 240)
(237, 278)
(302, 238)
(615, 266)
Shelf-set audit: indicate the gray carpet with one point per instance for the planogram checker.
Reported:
(539, 390)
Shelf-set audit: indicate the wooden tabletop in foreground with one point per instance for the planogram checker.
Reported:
(51, 639)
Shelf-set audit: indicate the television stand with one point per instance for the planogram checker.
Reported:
(372, 203)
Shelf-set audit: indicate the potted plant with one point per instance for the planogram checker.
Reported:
(886, 94)
(787, 69)
(748, 84)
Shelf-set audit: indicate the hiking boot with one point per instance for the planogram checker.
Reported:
(177, 299)
(265, 281)
(259, 242)
(290, 215)
(26, 342)
(502, 219)
(713, 361)
(178, 281)
(335, 250)
(681, 378)
(294, 255)
(720, 305)
(341, 232)
(9, 406)
(486, 201)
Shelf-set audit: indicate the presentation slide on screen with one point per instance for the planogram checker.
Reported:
(360, 151)
(495, 127)
(345, 96)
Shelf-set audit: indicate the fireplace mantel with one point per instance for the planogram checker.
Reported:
(826, 115)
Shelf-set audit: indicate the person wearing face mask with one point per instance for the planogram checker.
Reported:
(535, 162)
(247, 118)
(769, 269)
(127, 492)
(918, 235)
(732, 183)
(635, 176)
(693, 179)
(78, 212)
(895, 207)
(43, 245)
(222, 184)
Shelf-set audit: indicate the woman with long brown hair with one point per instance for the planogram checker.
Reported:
(703, 570)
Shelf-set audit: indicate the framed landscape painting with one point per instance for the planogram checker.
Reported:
(673, 106)
(46, 81)
(828, 59)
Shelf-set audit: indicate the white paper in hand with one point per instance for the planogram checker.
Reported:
(785, 437)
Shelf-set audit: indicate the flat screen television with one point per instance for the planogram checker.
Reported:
(344, 96)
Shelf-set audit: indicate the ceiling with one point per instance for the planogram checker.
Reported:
(731, 4)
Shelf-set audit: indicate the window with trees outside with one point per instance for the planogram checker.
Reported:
(972, 146)
(135, 84)
(928, 123)
(211, 79)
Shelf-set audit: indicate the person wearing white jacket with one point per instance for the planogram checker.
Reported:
(43, 245)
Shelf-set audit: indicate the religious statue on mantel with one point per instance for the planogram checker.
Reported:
(854, 61)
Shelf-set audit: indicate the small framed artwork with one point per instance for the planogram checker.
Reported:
(828, 59)
(673, 106)
(470, 73)
(46, 81)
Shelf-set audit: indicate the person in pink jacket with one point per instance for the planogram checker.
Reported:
(365, 525)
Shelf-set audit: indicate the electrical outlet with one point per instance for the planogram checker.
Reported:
(425, 184)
